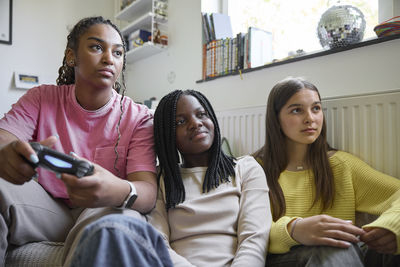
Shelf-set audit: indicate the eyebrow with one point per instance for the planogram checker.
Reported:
(196, 110)
(299, 105)
(102, 41)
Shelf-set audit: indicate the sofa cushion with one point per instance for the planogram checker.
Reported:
(44, 254)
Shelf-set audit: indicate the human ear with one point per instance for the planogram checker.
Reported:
(70, 57)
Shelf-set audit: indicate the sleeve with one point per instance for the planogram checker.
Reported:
(159, 219)
(254, 220)
(141, 155)
(280, 240)
(21, 120)
(377, 193)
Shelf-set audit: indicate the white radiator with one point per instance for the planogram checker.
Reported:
(367, 126)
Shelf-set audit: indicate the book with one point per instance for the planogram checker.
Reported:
(210, 27)
(204, 59)
(259, 47)
(240, 50)
(206, 31)
(246, 51)
(221, 24)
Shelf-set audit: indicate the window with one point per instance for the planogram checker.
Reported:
(293, 23)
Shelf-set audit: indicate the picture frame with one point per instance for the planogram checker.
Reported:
(26, 80)
(6, 22)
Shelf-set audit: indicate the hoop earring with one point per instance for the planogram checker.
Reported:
(117, 86)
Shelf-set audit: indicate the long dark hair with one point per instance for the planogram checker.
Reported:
(66, 73)
(274, 153)
(220, 166)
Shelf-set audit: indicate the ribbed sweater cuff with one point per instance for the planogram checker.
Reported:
(389, 221)
(280, 240)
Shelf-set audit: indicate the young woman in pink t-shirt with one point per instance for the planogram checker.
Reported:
(92, 121)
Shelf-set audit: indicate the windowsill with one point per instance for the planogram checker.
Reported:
(310, 55)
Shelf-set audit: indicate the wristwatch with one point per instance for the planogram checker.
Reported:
(130, 199)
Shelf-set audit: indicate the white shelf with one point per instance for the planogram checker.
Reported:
(148, 49)
(139, 15)
(142, 23)
(134, 10)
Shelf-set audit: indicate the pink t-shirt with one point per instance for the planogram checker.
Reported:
(49, 109)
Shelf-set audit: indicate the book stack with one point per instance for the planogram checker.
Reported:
(224, 54)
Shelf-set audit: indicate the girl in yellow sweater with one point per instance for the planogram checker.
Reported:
(315, 190)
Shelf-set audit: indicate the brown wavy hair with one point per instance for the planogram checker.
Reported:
(274, 153)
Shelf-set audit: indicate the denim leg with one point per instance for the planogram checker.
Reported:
(323, 256)
(119, 240)
(375, 259)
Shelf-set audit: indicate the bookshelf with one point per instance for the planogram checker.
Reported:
(143, 15)
(310, 55)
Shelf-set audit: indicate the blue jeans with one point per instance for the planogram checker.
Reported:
(321, 256)
(324, 256)
(119, 240)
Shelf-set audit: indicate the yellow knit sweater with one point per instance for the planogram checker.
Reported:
(358, 188)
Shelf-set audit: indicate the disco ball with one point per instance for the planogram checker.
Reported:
(340, 26)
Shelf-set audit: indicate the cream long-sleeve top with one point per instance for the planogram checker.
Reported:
(358, 187)
(228, 226)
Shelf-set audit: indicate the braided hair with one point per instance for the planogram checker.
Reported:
(220, 166)
(66, 74)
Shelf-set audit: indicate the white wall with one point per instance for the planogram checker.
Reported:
(149, 77)
(388, 9)
(39, 42)
(366, 69)
(39, 39)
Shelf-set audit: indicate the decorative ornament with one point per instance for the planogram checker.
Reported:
(388, 27)
(340, 26)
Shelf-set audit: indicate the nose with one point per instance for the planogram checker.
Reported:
(195, 123)
(308, 118)
(107, 57)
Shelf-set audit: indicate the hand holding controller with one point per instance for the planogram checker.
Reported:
(58, 162)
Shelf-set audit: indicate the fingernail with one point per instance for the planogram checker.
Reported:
(58, 175)
(349, 221)
(57, 136)
(72, 153)
(34, 158)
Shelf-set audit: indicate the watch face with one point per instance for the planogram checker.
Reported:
(131, 201)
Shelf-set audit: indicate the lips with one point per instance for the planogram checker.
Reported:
(106, 72)
(309, 130)
(198, 135)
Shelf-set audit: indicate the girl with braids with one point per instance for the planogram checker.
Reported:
(212, 209)
(92, 120)
(316, 190)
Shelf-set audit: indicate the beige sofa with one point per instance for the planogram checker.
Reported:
(43, 254)
(49, 254)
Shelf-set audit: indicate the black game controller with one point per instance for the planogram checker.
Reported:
(58, 162)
